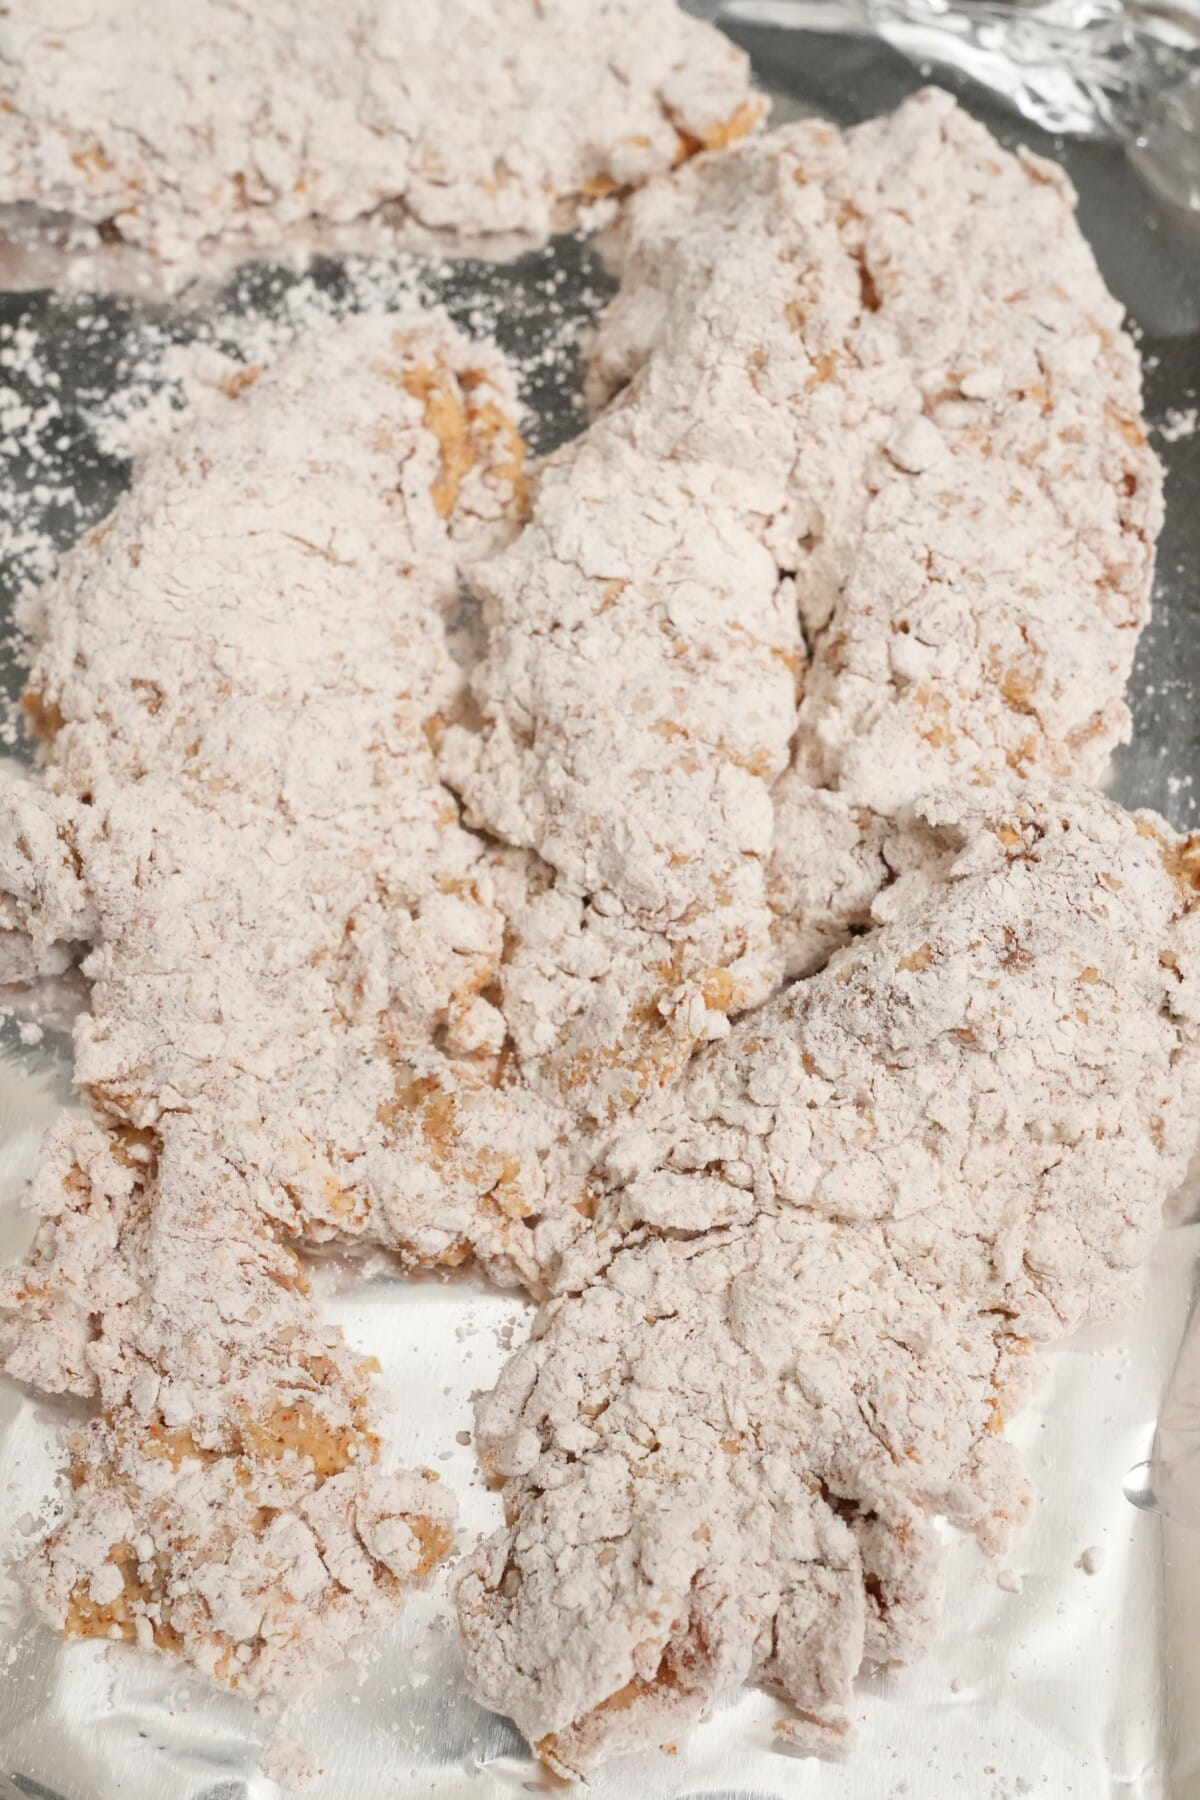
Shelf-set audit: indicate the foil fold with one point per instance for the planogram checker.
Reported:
(1080, 68)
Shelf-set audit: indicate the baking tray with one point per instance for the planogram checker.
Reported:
(1046, 1679)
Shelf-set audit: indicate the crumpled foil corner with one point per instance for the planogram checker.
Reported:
(1076, 68)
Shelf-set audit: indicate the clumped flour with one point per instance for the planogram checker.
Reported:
(816, 631)
(181, 127)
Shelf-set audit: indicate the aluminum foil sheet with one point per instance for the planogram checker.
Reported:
(1070, 1671)
(1122, 69)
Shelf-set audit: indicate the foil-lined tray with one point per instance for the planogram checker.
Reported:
(1070, 1670)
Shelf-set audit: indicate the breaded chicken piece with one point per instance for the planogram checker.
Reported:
(238, 678)
(225, 1500)
(184, 126)
(902, 330)
(818, 1277)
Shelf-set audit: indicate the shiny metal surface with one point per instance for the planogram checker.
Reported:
(1046, 1680)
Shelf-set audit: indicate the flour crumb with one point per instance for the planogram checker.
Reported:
(1180, 422)
(287, 1762)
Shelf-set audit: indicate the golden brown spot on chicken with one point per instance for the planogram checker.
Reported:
(1181, 860)
(175, 1447)
(719, 989)
(721, 134)
(43, 716)
(918, 959)
(92, 161)
(299, 1429)
(114, 1619)
(823, 368)
(445, 415)
(239, 381)
(435, 1540)
(1015, 692)
(1130, 429)
(503, 444)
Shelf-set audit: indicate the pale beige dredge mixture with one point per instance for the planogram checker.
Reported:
(820, 1271)
(177, 126)
(238, 677)
(799, 665)
(866, 392)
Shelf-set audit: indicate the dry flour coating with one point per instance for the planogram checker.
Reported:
(238, 677)
(822, 1269)
(867, 516)
(869, 387)
(903, 333)
(174, 124)
(225, 1501)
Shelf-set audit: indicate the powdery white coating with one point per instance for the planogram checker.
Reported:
(960, 487)
(176, 123)
(239, 676)
(303, 982)
(243, 671)
(638, 698)
(638, 695)
(832, 1253)
(225, 1500)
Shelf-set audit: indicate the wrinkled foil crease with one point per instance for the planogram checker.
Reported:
(1085, 68)
(1045, 1679)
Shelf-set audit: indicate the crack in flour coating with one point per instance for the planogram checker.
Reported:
(179, 125)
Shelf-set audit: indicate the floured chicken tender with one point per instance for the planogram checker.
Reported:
(239, 677)
(242, 674)
(839, 1245)
(872, 382)
(638, 699)
(902, 332)
(172, 124)
(226, 1502)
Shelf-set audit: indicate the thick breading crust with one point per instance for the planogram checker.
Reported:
(242, 673)
(239, 677)
(177, 124)
(963, 495)
(834, 1251)
(874, 378)
(388, 1028)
